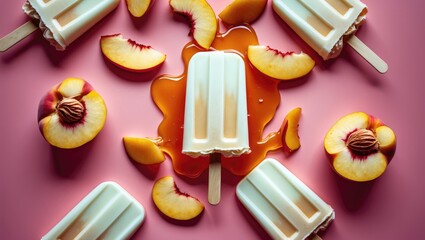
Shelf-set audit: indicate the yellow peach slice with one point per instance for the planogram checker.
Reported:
(143, 150)
(242, 11)
(130, 55)
(289, 130)
(174, 203)
(278, 65)
(202, 18)
(138, 8)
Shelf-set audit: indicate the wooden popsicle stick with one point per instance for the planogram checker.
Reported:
(368, 54)
(214, 179)
(17, 35)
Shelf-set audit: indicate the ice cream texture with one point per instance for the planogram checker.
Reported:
(216, 119)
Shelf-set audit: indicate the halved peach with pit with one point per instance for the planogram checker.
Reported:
(71, 114)
(360, 146)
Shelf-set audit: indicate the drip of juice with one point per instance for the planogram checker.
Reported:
(168, 93)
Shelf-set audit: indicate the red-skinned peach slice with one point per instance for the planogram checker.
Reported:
(138, 8)
(278, 65)
(360, 146)
(71, 114)
(289, 129)
(174, 203)
(242, 11)
(144, 150)
(130, 55)
(203, 21)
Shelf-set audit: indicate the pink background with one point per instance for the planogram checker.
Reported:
(40, 184)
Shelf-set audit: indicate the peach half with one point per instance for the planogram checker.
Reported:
(138, 8)
(202, 19)
(360, 146)
(278, 65)
(172, 202)
(242, 11)
(71, 114)
(130, 55)
(144, 150)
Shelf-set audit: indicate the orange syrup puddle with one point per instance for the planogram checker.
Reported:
(169, 92)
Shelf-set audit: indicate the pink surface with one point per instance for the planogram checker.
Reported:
(40, 184)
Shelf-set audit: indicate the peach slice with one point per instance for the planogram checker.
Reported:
(202, 19)
(242, 11)
(144, 150)
(289, 130)
(278, 65)
(130, 55)
(174, 203)
(138, 8)
(360, 146)
(71, 114)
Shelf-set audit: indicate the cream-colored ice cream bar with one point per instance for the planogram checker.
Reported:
(284, 206)
(215, 119)
(322, 23)
(107, 212)
(63, 21)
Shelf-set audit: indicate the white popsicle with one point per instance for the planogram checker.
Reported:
(283, 205)
(215, 119)
(62, 21)
(325, 24)
(107, 212)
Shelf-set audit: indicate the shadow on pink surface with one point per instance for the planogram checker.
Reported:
(67, 162)
(353, 194)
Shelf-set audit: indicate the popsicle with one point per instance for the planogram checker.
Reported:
(215, 117)
(107, 212)
(326, 24)
(62, 21)
(282, 204)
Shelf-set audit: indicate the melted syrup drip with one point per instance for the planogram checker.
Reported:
(263, 98)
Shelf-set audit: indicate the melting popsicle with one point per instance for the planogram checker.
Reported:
(62, 21)
(107, 212)
(326, 24)
(215, 118)
(283, 205)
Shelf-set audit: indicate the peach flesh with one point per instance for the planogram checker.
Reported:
(187, 17)
(277, 52)
(130, 41)
(177, 190)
